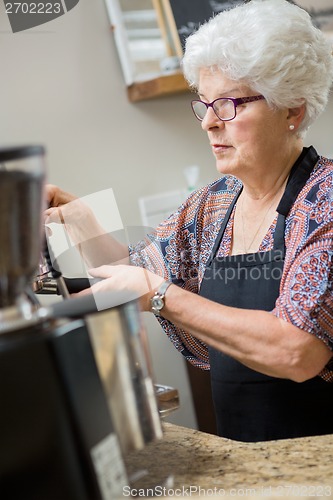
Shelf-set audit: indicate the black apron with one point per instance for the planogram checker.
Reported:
(250, 406)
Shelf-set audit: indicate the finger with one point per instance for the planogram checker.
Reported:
(50, 211)
(101, 272)
(56, 197)
(48, 231)
(50, 190)
(53, 215)
(86, 291)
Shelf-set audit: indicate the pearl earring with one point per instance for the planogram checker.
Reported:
(291, 127)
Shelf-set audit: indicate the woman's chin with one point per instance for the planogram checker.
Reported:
(225, 167)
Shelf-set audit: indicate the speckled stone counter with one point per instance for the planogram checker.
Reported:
(191, 461)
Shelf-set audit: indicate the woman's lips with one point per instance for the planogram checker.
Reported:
(220, 148)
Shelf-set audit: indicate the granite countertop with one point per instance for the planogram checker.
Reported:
(207, 464)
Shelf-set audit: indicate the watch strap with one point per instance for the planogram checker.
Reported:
(163, 288)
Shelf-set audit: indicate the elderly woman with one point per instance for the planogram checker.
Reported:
(240, 275)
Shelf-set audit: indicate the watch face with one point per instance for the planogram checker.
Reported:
(157, 303)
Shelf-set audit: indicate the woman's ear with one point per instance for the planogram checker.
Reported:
(295, 117)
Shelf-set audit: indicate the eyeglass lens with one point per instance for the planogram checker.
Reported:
(224, 109)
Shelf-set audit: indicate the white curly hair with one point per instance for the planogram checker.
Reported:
(271, 46)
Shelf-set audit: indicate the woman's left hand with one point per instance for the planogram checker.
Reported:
(126, 279)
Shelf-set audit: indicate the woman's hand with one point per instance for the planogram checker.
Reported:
(56, 197)
(95, 244)
(65, 208)
(77, 218)
(135, 281)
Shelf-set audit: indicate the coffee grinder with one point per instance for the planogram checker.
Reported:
(57, 438)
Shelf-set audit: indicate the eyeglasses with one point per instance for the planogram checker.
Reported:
(223, 107)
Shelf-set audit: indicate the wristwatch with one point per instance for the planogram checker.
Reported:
(157, 301)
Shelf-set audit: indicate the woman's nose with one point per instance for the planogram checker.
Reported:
(210, 120)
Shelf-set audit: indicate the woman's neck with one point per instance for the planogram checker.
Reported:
(256, 206)
(262, 188)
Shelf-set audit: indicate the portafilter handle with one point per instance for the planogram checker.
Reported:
(79, 307)
(73, 308)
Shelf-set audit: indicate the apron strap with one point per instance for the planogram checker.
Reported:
(222, 229)
(279, 243)
(299, 174)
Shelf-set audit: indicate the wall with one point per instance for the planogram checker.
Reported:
(61, 85)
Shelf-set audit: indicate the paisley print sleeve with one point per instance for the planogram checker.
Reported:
(306, 290)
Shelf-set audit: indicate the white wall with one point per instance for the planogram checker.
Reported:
(62, 86)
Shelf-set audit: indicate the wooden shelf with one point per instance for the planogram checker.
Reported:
(160, 86)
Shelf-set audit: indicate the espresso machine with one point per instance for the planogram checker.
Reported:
(76, 386)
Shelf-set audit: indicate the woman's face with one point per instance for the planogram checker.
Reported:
(256, 136)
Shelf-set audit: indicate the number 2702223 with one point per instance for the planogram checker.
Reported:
(33, 8)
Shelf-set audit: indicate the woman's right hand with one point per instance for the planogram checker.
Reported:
(56, 197)
(96, 246)
(81, 225)
(65, 208)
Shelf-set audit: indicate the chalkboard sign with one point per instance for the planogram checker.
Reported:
(186, 16)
